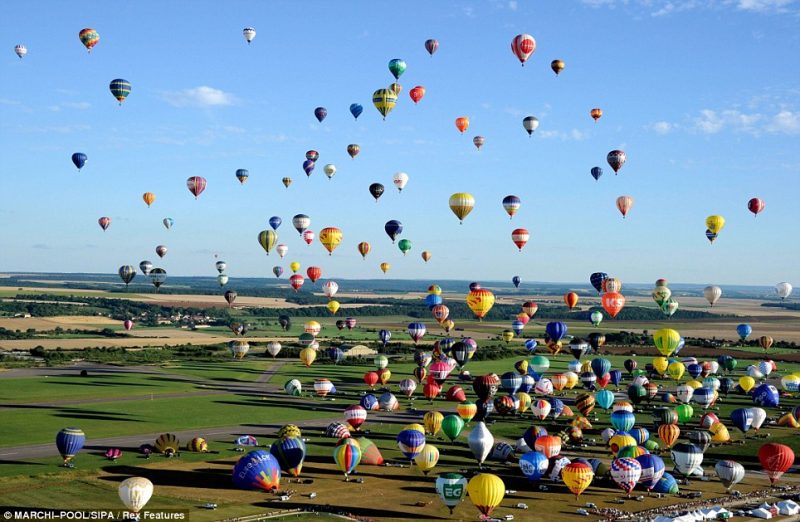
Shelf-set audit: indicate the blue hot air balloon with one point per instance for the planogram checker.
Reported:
(601, 367)
(257, 470)
(277, 270)
(666, 485)
(742, 418)
(597, 279)
(516, 280)
(393, 229)
(556, 330)
(766, 395)
(744, 330)
(510, 382)
(517, 326)
(556, 407)
(694, 370)
(336, 354)
(79, 159)
(384, 336)
(308, 167)
(616, 377)
(530, 345)
(320, 113)
(69, 442)
(290, 454)
(432, 300)
(533, 465)
(596, 172)
(356, 109)
(411, 443)
(275, 222)
(652, 470)
(640, 435)
(369, 402)
(623, 420)
(604, 399)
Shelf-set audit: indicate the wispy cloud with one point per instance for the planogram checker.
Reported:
(203, 96)
(715, 121)
(777, 6)
(572, 135)
(785, 122)
(668, 7)
(662, 127)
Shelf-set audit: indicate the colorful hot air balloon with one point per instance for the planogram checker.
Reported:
(776, 459)
(330, 238)
(571, 300)
(461, 203)
(577, 476)
(104, 223)
(149, 198)
(523, 46)
(431, 45)
(613, 303)
(69, 442)
(616, 159)
(480, 301)
(520, 237)
(89, 38)
(478, 141)
(626, 473)
(267, 240)
(596, 114)
(120, 89)
(557, 66)
(511, 205)
(756, 206)
(715, 223)
(384, 100)
(347, 456)
(20, 50)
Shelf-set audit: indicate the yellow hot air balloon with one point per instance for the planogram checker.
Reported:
(694, 384)
(294, 266)
(427, 458)
(719, 433)
(660, 364)
(746, 383)
(462, 203)
(396, 88)
(267, 239)
(617, 442)
(507, 335)
(612, 285)
(577, 476)
(715, 223)
(433, 422)
(676, 370)
(524, 402)
(148, 198)
(449, 325)
(308, 355)
(480, 301)
(384, 100)
(666, 340)
(426, 256)
(385, 267)
(333, 307)
(330, 238)
(486, 491)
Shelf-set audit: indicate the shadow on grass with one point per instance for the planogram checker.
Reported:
(352, 510)
(199, 478)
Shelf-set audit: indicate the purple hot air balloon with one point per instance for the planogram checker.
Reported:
(320, 113)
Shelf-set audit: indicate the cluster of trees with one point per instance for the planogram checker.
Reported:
(32, 333)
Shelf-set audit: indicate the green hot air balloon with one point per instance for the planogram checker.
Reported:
(452, 426)
(120, 89)
(267, 239)
(404, 245)
(397, 67)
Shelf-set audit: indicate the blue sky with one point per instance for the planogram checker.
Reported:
(702, 96)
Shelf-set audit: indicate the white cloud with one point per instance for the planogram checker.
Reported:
(785, 122)
(202, 96)
(764, 5)
(663, 127)
(712, 122)
(667, 7)
(573, 135)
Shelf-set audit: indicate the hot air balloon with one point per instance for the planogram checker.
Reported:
(410, 442)
(417, 93)
(462, 124)
(461, 203)
(776, 459)
(712, 294)
(104, 222)
(557, 66)
(571, 300)
(596, 114)
(69, 441)
(755, 206)
(480, 442)
(249, 34)
(20, 50)
(426, 256)
(687, 457)
(530, 124)
(626, 473)
(729, 472)
(347, 455)
(320, 113)
(480, 301)
(308, 167)
(416, 331)
(596, 172)
(451, 488)
(385, 267)
(783, 290)
(135, 492)
(577, 476)
(79, 160)
(393, 229)
(286, 182)
(478, 141)
(149, 198)
(242, 175)
(400, 179)
(384, 100)
(613, 303)
(616, 159)
(624, 204)
(230, 297)
(267, 240)
(520, 237)
(161, 251)
(120, 89)
(523, 46)
(126, 273)
(330, 237)
(404, 245)
(376, 189)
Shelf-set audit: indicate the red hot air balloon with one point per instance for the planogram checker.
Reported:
(308, 237)
(104, 222)
(417, 93)
(431, 45)
(371, 379)
(196, 185)
(530, 308)
(462, 124)
(296, 281)
(776, 459)
(520, 237)
(755, 206)
(128, 324)
(613, 303)
(571, 300)
(314, 273)
(523, 46)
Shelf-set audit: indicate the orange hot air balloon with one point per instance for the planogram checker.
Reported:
(520, 237)
(669, 433)
(596, 113)
(480, 301)
(426, 256)
(314, 273)
(462, 124)
(417, 93)
(577, 476)
(148, 198)
(613, 303)
(571, 300)
(559, 381)
(363, 249)
(624, 204)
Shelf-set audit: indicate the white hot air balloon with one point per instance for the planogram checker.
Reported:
(729, 472)
(783, 290)
(282, 250)
(400, 179)
(712, 294)
(330, 170)
(687, 458)
(330, 288)
(530, 123)
(684, 393)
(274, 348)
(222, 279)
(249, 34)
(759, 416)
(135, 492)
(21, 50)
(481, 442)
